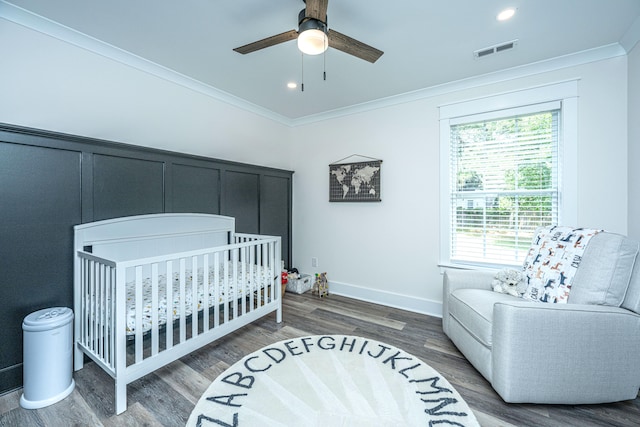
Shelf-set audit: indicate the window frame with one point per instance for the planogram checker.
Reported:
(505, 104)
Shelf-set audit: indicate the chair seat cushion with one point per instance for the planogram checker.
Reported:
(473, 310)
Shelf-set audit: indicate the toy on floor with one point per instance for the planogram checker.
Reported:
(321, 285)
(294, 274)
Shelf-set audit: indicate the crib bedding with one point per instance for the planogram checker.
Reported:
(249, 279)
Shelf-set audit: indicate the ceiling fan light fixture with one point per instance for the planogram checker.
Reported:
(312, 37)
(506, 14)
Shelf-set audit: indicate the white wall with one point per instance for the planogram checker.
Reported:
(634, 142)
(389, 251)
(49, 84)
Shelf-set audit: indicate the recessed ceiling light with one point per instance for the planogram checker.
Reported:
(506, 14)
(292, 85)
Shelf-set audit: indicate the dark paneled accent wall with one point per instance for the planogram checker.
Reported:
(275, 198)
(196, 189)
(50, 182)
(243, 199)
(126, 186)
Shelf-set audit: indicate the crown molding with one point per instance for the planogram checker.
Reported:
(53, 29)
(63, 33)
(632, 36)
(571, 60)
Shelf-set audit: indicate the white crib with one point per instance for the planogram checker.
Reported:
(165, 285)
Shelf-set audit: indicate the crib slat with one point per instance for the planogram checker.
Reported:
(277, 272)
(265, 267)
(119, 321)
(104, 328)
(83, 300)
(194, 296)
(100, 313)
(170, 308)
(260, 289)
(111, 315)
(225, 286)
(183, 321)
(205, 292)
(154, 309)
(138, 314)
(92, 307)
(234, 281)
(216, 289)
(96, 307)
(274, 271)
(242, 281)
(253, 286)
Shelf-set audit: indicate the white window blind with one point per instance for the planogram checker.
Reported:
(504, 182)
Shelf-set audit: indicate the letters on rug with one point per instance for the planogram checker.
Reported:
(332, 380)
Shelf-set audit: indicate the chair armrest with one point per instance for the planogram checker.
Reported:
(462, 279)
(564, 353)
(467, 279)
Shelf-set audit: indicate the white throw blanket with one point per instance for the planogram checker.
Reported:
(552, 262)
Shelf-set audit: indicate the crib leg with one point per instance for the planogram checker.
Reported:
(279, 314)
(78, 357)
(121, 397)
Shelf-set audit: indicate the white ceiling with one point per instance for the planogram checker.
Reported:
(425, 43)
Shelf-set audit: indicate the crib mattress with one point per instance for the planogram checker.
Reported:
(245, 283)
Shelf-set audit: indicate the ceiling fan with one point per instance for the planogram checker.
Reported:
(314, 37)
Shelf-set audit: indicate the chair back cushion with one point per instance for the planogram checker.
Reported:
(605, 271)
(632, 298)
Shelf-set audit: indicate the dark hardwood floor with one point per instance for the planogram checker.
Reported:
(167, 396)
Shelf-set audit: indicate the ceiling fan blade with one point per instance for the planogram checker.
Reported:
(317, 9)
(268, 42)
(353, 47)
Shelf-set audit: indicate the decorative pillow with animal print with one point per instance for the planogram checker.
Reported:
(552, 262)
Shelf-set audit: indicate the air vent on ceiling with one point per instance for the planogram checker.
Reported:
(502, 47)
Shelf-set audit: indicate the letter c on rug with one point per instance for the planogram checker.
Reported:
(250, 369)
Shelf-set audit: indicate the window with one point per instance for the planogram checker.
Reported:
(503, 178)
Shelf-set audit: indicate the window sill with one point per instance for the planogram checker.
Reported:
(475, 267)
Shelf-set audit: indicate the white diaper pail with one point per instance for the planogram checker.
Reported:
(48, 352)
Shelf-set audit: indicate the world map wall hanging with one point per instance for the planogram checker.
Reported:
(355, 182)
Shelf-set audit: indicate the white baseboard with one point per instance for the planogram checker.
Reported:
(390, 299)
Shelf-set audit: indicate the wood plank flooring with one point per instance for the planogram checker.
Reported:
(167, 396)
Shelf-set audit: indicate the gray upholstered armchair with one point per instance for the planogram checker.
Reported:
(584, 351)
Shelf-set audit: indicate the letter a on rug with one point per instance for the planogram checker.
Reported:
(331, 380)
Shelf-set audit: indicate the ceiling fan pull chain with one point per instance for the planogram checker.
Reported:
(302, 67)
(324, 65)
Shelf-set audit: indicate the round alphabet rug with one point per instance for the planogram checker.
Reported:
(331, 380)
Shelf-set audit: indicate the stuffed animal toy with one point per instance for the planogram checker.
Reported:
(294, 273)
(509, 281)
(321, 285)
